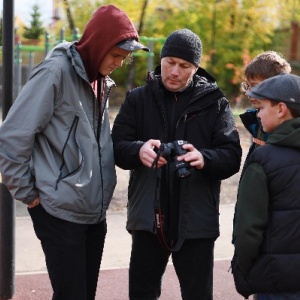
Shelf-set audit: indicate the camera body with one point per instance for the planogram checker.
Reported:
(173, 150)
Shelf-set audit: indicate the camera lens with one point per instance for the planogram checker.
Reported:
(181, 169)
(183, 172)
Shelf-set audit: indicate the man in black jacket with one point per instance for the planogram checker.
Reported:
(178, 137)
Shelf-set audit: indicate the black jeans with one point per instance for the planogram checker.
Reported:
(73, 254)
(193, 264)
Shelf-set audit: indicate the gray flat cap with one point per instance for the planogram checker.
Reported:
(282, 88)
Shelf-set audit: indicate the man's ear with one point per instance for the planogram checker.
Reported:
(283, 111)
(196, 70)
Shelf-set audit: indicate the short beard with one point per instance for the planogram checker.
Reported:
(188, 83)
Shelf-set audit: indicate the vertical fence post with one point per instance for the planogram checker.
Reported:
(18, 69)
(47, 42)
(62, 35)
(76, 34)
(150, 57)
(30, 63)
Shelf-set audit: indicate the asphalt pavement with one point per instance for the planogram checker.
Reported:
(32, 282)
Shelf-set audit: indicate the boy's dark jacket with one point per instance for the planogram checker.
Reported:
(252, 124)
(267, 244)
(206, 121)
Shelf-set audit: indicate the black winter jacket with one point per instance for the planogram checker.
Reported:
(267, 245)
(206, 121)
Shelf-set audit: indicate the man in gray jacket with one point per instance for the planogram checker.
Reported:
(56, 152)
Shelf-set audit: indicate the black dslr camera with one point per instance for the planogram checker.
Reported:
(172, 150)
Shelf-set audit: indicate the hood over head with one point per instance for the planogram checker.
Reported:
(108, 27)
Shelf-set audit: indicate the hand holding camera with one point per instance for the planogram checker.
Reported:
(156, 154)
(173, 151)
(148, 154)
(193, 156)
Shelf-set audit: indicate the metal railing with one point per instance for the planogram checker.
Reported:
(26, 57)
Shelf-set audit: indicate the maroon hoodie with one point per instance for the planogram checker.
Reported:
(108, 26)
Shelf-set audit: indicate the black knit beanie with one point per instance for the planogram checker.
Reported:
(184, 44)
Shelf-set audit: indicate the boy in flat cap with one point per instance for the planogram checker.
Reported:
(263, 66)
(178, 137)
(56, 153)
(267, 244)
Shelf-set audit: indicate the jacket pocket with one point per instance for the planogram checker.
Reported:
(72, 157)
(241, 284)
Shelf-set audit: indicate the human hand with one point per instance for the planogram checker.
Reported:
(34, 203)
(193, 156)
(148, 155)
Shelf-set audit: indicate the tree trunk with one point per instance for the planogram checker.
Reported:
(132, 66)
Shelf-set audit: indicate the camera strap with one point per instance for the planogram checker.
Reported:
(159, 217)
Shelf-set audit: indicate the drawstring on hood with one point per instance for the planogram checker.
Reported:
(108, 26)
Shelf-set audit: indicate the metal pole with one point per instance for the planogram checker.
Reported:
(8, 55)
(7, 208)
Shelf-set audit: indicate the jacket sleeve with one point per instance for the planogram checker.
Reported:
(27, 117)
(124, 135)
(223, 158)
(250, 121)
(251, 216)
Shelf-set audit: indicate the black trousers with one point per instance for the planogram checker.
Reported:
(193, 265)
(73, 254)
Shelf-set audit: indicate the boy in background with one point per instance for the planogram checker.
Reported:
(267, 244)
(263, 66)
